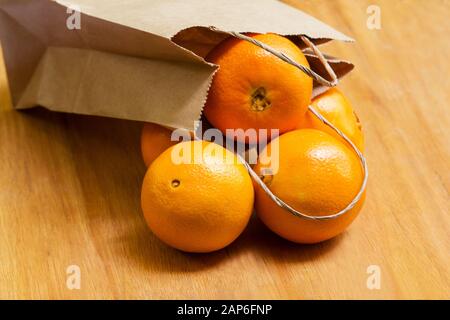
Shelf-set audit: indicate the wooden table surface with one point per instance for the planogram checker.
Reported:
(70, 188)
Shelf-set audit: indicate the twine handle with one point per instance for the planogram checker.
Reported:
(326, 83)
(287, 59)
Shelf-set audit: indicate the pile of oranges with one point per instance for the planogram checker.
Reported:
(204, 203)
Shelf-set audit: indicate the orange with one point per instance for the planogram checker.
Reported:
(154, 140)
(317, 175)
(197, 206)
(336, 108)
(253, 89)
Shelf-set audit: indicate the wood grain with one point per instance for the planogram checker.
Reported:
(70, 189)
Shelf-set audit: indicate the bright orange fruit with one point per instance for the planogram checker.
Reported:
(317, 175)
(336, 108)
(197, 206)
(253, 89)
(155, 139)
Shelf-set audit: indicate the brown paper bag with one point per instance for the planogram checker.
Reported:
(136, 59)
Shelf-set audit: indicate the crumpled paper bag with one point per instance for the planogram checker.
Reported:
(137, 59)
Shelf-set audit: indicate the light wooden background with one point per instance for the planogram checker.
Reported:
(70, 187)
